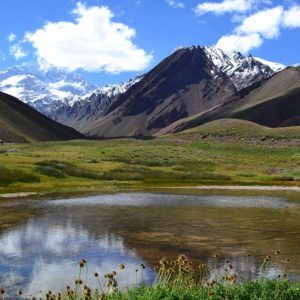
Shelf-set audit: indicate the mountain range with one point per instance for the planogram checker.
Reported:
(190, 81)
(188, 88)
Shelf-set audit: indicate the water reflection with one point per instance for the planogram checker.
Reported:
(42, 251)
(42, 255)
(142, 199)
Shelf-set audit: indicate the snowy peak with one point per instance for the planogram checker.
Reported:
(276, 67)
(113, 90)
(242, 70)
(43, 90)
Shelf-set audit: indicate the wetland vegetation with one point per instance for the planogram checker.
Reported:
(114, 165)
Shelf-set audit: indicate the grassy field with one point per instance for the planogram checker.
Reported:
(185, 159)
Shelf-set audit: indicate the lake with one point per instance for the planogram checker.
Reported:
(41, 241)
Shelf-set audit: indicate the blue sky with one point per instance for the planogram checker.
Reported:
(113, 40)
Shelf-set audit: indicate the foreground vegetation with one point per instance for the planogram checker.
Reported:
(181, 279)
(263, 290)
(178, 160)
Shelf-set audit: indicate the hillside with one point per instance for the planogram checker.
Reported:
(21, 123)
(272, 103)
(235, 130)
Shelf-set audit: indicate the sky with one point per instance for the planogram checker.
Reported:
(110, 41)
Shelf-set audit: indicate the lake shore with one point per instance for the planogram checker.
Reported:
(241, 188)
(209, 188)
(18, 195)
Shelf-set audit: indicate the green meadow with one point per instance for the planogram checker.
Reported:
(124, 164)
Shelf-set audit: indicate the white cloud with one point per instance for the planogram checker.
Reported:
(17, 51)
(175, 4)
(292, 17)
(93, 42)
(11, 37)
(242, 43)
(226, 6)
(265, 24)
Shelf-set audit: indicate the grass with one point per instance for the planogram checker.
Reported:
(172, 161)
(260, 290)
(10, 176)
(235, 128)
(181, 279)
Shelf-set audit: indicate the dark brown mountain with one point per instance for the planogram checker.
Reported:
(274, 103)
(21, 123)
(188, 82)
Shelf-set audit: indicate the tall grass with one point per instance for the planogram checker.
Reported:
(127, 173)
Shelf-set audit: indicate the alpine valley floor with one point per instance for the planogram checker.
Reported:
(240, 153)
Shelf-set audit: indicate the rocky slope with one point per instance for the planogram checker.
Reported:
(273, 103)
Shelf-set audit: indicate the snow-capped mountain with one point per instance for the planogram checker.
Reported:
(54, 92)
(46, 90)
(92, 107)
(190, 81)
(242, 70)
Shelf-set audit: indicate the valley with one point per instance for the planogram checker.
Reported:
(149, 150)
(200, 155)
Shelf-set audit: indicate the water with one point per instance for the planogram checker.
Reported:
(41, 242)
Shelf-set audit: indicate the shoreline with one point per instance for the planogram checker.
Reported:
(19, 195)
(239, 187)
(199, 187)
